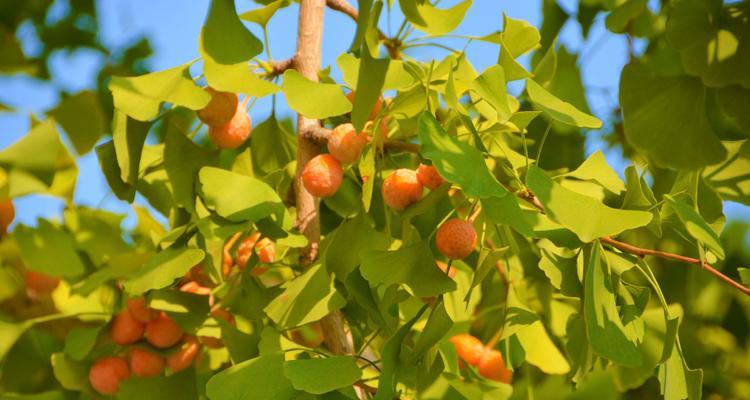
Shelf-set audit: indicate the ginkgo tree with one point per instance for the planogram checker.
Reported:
(426, 232)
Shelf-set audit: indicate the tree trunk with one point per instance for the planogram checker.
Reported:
(307, 62)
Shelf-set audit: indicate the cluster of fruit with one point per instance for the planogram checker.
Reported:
(133, 323)
(489, 362)
(228, 122)
(263, 247)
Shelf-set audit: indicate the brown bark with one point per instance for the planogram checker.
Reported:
(307, 61)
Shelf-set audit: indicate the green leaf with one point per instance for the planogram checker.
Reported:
(262, 15)
(596, 169)
(562, 272)
(108, 163)
(72, 375)
(507, 210)
(162, 269)
(273, 147)
(391, 358)
(413, 266)
(265, 375)
(96, 232)
(437, 326)
(183, 159)
(182, 385)
(322, 375)
(490, 85)
(83, 132)
(730, 178)
(188, 310)
(140, 97)
(238, 197)
(396, 76)
(39, 163)
(227, 47)
(432, 20)
(453, 158)
(639, 196)
(711, 40)
(9, 335)
(80, 341)
(513, 70)
(49, 249)
(371, 77)
(559, 110)
(129, 136)
(352, 238)
(308, 298)
(608, 336)
(665, 118)
(697, 226)
(620, 19)
(585, 216)
(519, 36)
(744, 275)
(303, 96)
(544, 71)
(677, 380)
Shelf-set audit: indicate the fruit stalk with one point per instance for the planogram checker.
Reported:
(307, 60)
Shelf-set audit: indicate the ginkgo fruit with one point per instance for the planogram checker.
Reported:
(375, 109)
(456, 238)
(310, 335)
(492, 366)
(322, 175)
(163, 332)
(125, 329)
(40, 283)
(345, 144)
(266, 251)
(140, 311)
(145, 364)
(444, 267)
(468, 348)
(401, 189)
(184, 356)
(429, 176)
(7, 215)
(106, 374)
(234, 133)
(246, 248)
(220, 109)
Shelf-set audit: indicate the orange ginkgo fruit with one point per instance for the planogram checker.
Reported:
(456, 238)
(468, 348)
(401, 189)
(106, 374)
(322, 175)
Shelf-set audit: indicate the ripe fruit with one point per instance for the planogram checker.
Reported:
(266, 250)
(232, 134)
(345, 144)
(198, 274)
(185, 356)
(7, 214)
(245, 249)
(195, 288)
(145, 364)
(456, 238)
(125, 329)
(322, 175)
(375, 109)
(429, 176)
(107, 373)
(39, 283)
(163, 332)
(138, 309)
(401, 189)
(491, 366)
(220, 109)
(468, 348)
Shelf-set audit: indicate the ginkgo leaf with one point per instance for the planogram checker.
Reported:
(304, 96)
(585, 216)
(559, 110)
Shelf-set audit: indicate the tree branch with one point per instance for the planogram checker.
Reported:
(278, 67)
(641, 252)
(307, 62)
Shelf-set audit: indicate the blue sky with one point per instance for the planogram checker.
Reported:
(173, 27)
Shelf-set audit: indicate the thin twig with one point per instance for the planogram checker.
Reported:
(641, 252)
